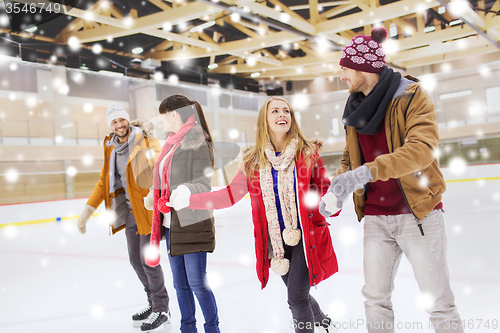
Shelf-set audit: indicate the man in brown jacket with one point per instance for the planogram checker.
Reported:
(389, 164)
(127, 174)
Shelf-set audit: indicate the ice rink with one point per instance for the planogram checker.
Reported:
(53, 279)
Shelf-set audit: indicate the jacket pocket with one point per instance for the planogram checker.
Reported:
(429, 179)
(322, 242)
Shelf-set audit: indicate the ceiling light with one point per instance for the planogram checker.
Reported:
(167, 27)
(212, 66)
(251, 61)
(137, 50)
(255, 74)
(284, 17)
(462, 9)
(202, 26)
(32, 29)
(459, 7)
(235, 17)
(97, 48)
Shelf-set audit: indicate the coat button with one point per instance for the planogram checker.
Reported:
(310, 216)
(315, 276)
(313, 247)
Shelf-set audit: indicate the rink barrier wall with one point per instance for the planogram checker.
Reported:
(53, 211)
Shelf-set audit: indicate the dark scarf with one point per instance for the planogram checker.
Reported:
(366, 114)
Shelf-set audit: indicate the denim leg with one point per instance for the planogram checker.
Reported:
(427, 255)
(381, 258)
(184, 293)
(297, 283)
(196, 268)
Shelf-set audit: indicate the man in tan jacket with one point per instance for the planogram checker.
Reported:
(130, 154)
(389, 164)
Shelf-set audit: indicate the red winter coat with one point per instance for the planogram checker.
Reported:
(321, 259)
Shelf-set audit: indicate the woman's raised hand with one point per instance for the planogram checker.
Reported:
(179, 198)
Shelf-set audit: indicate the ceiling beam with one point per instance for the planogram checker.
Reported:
(271, 22)
(248, 44)
(441, 58)
(470, 22)
(382, 13)
(323, 4)
(293, 21)
(313, 12)
(118, 28)
(438, 49)
(318, 59)
(160, 4)
(336, 11)
(287, 10)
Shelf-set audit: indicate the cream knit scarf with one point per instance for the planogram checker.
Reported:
(285, 165)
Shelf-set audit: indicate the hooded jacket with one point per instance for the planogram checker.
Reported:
(320, 256)
(412, 138)
(140, 165)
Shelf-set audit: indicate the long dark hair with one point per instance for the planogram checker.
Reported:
(175, 102)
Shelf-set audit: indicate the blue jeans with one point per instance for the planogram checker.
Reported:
(189, 272)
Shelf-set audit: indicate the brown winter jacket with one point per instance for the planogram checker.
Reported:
(140, 166)
(412, 138)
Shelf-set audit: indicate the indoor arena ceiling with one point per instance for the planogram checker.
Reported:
(244, 40)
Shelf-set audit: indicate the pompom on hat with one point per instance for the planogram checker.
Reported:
(115, 111)
(365, 53)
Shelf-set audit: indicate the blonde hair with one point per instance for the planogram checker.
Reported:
(255, 158)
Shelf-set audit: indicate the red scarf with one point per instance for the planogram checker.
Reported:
(162, 191)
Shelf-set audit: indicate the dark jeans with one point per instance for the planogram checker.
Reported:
(151, 277)
(305, 309)
(189, 272)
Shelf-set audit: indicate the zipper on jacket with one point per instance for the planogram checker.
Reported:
(419, 224)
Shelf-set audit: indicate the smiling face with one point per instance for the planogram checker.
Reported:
(121, 128)
(279, 119)
(354, 79)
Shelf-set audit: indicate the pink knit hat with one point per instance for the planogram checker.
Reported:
(365, 53)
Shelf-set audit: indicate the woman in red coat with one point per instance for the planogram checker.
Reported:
(286, 179)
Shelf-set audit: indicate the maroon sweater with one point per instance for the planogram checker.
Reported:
(382, 197)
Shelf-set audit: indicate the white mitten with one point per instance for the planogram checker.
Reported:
(149, 200)
(179, 198)
(84, 218)
(328, 203)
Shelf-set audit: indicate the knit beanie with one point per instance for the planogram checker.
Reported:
(115, 111)
(365, 53)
